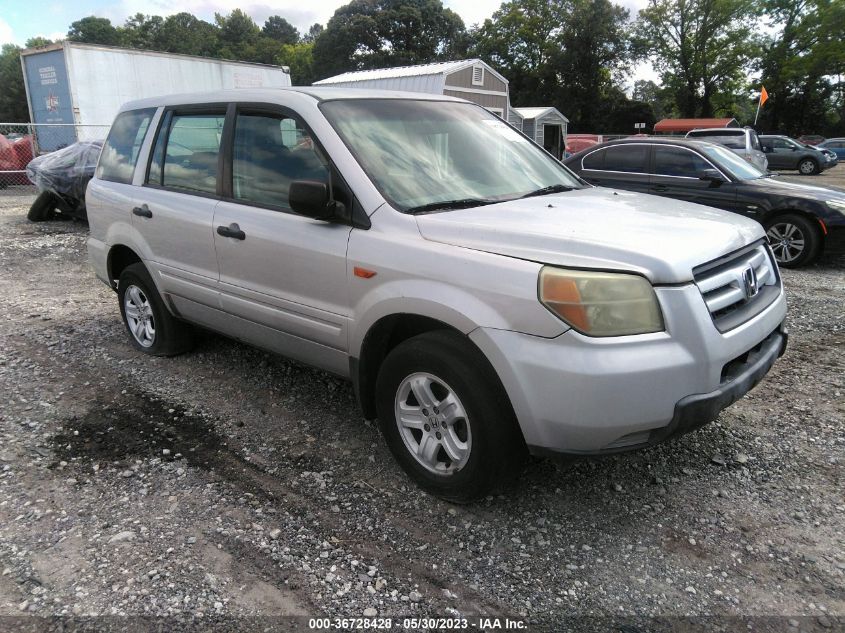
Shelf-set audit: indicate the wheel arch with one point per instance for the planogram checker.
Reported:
(120, 256)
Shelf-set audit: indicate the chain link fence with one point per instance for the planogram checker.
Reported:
(21, 142)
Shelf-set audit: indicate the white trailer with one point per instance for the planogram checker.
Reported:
(73, 84)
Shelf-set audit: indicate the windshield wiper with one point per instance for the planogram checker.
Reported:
(547, 190)
(463, 203)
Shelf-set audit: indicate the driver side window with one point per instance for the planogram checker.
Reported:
(270, 152)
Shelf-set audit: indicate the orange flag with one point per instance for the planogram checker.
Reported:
(764, 96)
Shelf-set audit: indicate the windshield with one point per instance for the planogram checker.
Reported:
(740, 168)
(422, 153)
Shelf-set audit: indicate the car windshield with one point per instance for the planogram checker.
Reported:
(740, 168)
(431, 155)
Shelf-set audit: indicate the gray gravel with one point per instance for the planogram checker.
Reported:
(229, 482)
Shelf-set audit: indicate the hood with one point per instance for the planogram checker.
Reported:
(796, 189)
(660, 238)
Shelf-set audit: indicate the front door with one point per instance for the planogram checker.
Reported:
(676, 173)
(783, 154)
(281, 274)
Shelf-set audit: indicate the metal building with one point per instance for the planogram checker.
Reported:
(547, 126)
(470, 79)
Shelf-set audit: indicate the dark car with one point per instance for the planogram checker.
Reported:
(800, 220)
(811, 139)
(61, 178)
(785, 153)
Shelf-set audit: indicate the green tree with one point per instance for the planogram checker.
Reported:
(800, 60)
(94, 30)
(313, 33)
(142, 31)
(239, 35)
(300, 58)
(37, 41)
(700, 47)
(13, 106)
(660, 99)
(520, 40)
(186, 34)
(379, 33)
(592, 55)
(279, 29)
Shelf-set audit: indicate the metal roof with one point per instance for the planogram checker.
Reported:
(536, 113)
(685, 125)
(437, 68)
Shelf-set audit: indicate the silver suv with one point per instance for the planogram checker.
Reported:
(483, 300)
(740, 140)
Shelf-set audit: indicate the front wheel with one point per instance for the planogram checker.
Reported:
(152, 329)
(808, 167)
(43, 208)
(794, 240)
(446, 418)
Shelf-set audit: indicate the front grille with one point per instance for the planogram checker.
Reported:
(726, 290)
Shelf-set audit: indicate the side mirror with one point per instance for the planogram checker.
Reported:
(712, 176)
(311, 199)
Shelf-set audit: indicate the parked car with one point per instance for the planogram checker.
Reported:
(835, 145)
(811, 139)
(15, 153)
(785, 153)
(484, 301)
(800, 220)
(742, 141)
(61, 178)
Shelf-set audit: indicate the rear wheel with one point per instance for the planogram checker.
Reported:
(152, 329)
(794, 239)
(808, 167)
(446, 418)
(43, 207)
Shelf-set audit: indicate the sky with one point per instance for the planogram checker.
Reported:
(21, 19)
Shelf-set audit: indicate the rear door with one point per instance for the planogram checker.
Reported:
(623, 166)
(677, 174)
(175, 208)
(283, 275)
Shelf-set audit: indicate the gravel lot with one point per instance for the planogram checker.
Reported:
(230, 484)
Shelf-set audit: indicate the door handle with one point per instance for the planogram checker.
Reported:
(660, 188)
(143, 211)
(233, 230)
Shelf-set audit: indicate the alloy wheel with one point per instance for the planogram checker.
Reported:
(787, 241)
(139, 316)
(433, 423)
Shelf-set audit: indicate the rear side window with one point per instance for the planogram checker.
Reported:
(269, 153)
(186, 153)
(627, 158)
(678, 162)
(594, 160)
(120, 152)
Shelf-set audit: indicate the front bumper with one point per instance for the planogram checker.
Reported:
(579, 395)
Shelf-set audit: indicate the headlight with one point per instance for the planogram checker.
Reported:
(838, 205)
(601, 304)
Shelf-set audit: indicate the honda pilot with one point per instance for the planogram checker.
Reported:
(484, 301)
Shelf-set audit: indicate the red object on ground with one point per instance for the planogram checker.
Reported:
(685, 125)
(15, 156)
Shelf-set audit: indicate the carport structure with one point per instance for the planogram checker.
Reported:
(682, 126)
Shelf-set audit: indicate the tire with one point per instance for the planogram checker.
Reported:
(808, 167)
(155, 331)
(43, 207)
(795, 240)
(479, 427)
